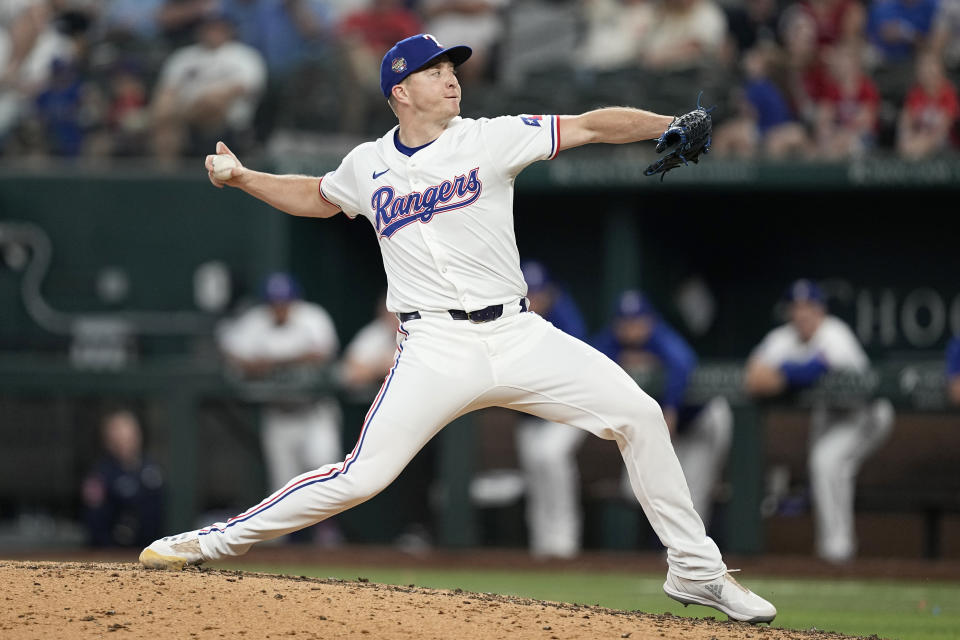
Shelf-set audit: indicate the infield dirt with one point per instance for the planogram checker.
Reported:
(43, 600)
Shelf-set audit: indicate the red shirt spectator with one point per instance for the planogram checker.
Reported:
(383, 24)
(848, 100)
(925, 108)
(838, 21)
(929, 112)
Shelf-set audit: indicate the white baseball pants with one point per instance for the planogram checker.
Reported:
(301, 438)
(445, 368)
(548, 456)
(840, 441)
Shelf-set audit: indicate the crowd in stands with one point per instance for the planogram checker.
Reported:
(819, 79)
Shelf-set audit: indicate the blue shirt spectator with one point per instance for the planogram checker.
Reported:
(771, 107)
(286, 33)
(897, 27)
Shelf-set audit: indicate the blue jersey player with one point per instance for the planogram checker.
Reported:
(953, 370)
(638, 338)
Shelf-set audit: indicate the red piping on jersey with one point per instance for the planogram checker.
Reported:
(325, 199)
(556, 122)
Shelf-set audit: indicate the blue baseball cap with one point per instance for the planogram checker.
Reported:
(536, 276)
(633, 304)
(410, 54)
(804, 290)
(280, 287)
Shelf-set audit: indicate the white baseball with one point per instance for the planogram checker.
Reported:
(223, 166)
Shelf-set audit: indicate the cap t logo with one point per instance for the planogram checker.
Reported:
(399, 65)
(430, 37)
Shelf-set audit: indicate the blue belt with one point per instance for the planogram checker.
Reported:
(486, 314)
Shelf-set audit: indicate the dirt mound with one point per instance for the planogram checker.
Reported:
(85, 600)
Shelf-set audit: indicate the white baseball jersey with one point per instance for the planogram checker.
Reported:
(255, 335)
(373, 344)
(444, 216)
(833, 341)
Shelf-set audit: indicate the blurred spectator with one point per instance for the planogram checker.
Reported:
(766, 120)
(370, 355)
(475, 23)
(752, 22)
(547, 450)
(286, 336)
(953, 370)
(685, 34)
(898, 28)
(130, 20)
(128, 114)
(804, 68)
(30, 43)
(795, 356)
(180, 19)
(123, 494)
(847, 104)
(285, 32)
(210, 89)
(59, 108)
(930, 110)
(946, 33)
(640, 340)
(614, 33)
(836, 22)
(366, 35)
(21, 24)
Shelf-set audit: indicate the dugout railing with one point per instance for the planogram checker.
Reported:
(181, 385)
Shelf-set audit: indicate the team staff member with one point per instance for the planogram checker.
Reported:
(639, 338)
(438, 192)
(797, 355)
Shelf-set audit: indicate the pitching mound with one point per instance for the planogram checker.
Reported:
(86, 600)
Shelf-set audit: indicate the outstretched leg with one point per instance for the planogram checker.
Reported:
(418, 397)
(547, 373)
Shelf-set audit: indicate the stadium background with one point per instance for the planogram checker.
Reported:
(877, 230)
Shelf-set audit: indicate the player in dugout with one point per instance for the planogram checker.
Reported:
(639, 338)
(437, 190)
(797, 355)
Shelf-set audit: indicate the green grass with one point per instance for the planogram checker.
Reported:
(889, 609)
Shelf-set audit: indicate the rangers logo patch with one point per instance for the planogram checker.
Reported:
(399, 65)
(532, 121)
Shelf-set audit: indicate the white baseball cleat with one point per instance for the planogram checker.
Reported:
(724, 594)
(173, 553)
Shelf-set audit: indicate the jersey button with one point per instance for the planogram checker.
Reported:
(443, 269)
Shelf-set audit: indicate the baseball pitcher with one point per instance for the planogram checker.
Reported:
(437, 191)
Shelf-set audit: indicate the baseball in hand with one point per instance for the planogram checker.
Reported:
(223, 165)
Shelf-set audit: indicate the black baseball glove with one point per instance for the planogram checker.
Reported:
(688, 136)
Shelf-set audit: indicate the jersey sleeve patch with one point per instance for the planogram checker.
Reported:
(531, 121)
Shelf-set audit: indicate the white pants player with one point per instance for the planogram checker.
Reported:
(839, 443)
(299, 438)
(702, 450)
(548, 456)
(445, 368)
